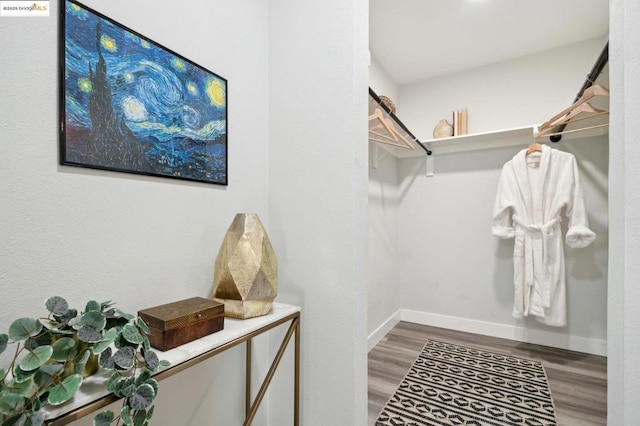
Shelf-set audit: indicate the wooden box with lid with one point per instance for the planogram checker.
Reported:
(177, 323)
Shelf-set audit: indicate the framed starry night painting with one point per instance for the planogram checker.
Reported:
(128, 104)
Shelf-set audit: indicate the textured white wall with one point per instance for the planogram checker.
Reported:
(383, 291)
(624, 268)
(139, 241)
(318, 198)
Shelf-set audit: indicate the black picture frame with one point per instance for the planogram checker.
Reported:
(129, 104)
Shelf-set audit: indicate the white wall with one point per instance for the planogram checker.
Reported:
(452, 268)
(448, 259)
(624, 292)
(383, 291)
(381, 82)
(139, 241)
(514, 93)
(298, 157)
(318, 198)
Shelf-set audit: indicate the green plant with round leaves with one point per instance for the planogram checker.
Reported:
(54, 354)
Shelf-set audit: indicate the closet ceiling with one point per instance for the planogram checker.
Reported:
(416, 40)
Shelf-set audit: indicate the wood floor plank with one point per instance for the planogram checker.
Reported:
(578, 381)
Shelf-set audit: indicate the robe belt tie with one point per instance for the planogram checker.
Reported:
(537, 261)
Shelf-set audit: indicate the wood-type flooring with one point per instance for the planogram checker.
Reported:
(578, 381)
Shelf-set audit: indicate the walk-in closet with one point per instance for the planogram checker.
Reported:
(482, 307)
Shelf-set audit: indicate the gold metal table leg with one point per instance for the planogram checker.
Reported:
(296, 379)
(247, 399)
(274, 365)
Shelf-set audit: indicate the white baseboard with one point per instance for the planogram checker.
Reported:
(380, 332)
(521, 334)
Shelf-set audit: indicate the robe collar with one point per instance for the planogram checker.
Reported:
(524, 181)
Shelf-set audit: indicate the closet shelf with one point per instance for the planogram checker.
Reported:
(477, 141)
(518, 136)
(410, 146)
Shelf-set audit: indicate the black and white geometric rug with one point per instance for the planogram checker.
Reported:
(455, 385)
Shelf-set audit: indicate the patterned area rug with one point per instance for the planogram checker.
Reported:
(455, 385)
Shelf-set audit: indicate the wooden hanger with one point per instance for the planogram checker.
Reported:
(585, 108)
(582, 129)
(378, 117)
(570, 114)
(589, 92)
(391, 135)
(536, 147)
(581, 112)
(402, 143)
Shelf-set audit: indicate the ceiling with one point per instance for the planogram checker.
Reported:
(416, 40)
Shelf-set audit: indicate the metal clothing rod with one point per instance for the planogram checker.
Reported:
(603, 59)
(397, 120)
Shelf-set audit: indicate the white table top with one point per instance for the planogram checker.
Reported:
(94, 387)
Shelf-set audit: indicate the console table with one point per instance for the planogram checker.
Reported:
(93, 396)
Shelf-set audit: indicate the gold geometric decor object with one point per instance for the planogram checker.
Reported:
(245, 278)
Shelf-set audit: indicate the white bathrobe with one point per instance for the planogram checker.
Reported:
(532, 193)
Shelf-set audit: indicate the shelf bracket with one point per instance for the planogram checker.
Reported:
(376, 158)
(428, 165)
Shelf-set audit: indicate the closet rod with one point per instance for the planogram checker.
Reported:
(591, 78)
(396, 119)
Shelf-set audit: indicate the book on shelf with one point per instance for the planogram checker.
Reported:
(460, 122)
(456, 122)
(463, 121)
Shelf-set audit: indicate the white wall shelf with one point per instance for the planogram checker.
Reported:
(477, 141)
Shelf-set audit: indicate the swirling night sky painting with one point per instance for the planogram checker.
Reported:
(132, 106)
